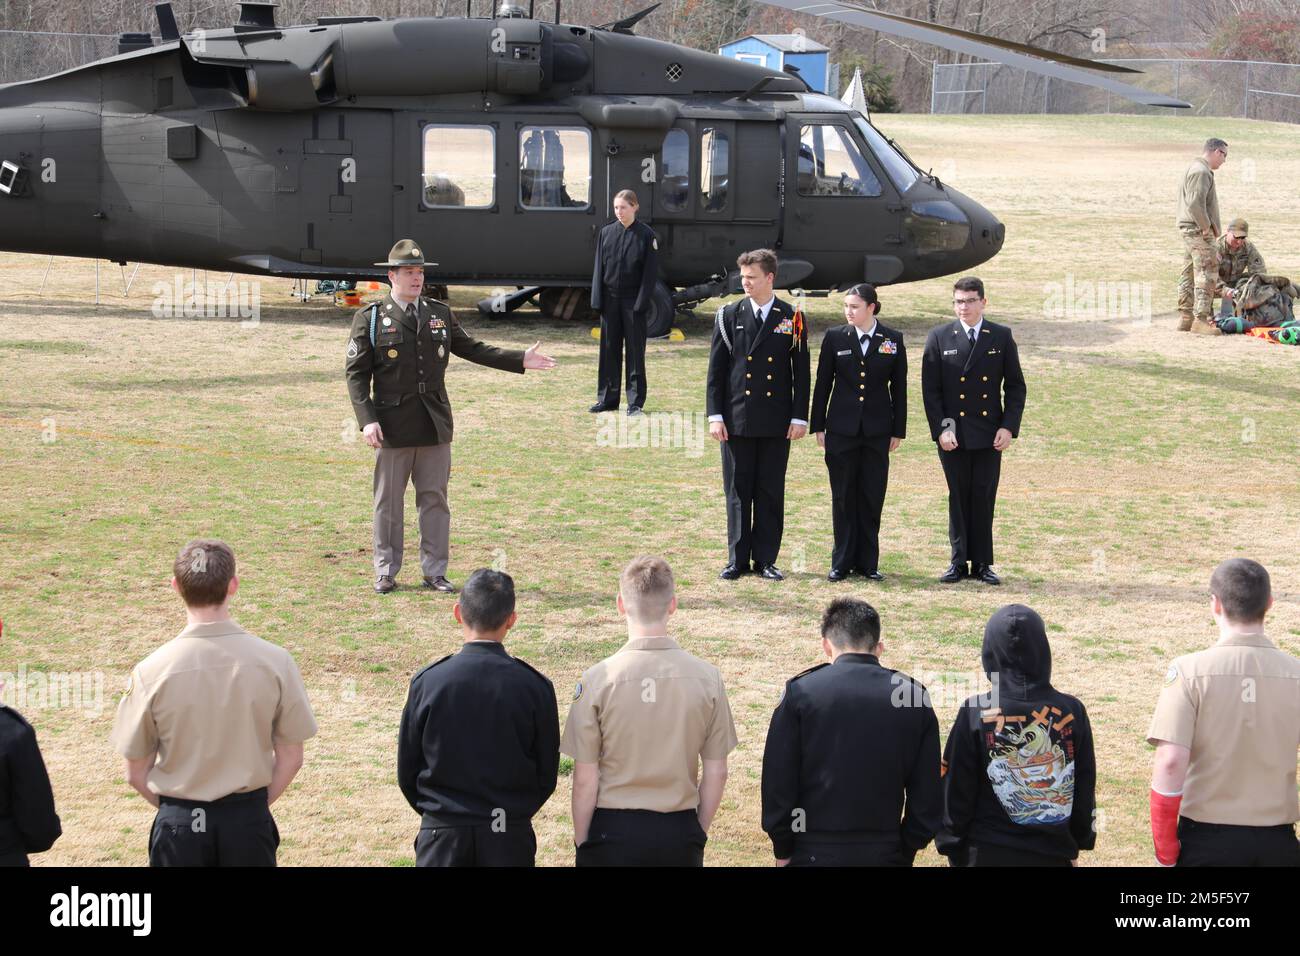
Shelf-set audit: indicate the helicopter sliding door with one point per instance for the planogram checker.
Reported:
(347, 187)
(840, 205)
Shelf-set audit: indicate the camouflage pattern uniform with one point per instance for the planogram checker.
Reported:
(1235, 266)
(1198, 221)
(1261, 301)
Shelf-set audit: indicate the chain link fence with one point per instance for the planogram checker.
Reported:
(1245, 89)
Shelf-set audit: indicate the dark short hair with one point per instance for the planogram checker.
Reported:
(867, 293)
(850, 624)
(765, 259)
(969, 284)
(1214, 143)
(203, 570)
(487, 600)
(1244, 589)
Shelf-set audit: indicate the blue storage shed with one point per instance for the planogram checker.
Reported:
(776, 51)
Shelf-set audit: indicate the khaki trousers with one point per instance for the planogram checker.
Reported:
(429, 468)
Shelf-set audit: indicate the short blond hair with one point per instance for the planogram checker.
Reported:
(647, 588)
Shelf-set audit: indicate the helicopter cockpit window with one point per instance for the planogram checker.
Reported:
(899, 169)
(830, 164)
(554, 167)
(715, 159)
(459, 164)
(675, 184)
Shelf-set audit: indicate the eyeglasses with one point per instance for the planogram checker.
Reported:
(960, 302)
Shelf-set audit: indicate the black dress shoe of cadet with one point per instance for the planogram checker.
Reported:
(633, 410)
(871, 575)
(602, 407)
(954, 574)
(770, 572)
(731, 572)
(984, 573)
(837, 575)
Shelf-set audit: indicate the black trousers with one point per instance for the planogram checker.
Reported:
(237, 830)
(753, 477)
(618, 322)
(859, 472)
(1222, 844)
(823, 850)
(972, 476)
(643, 838)
(515, 845)
(990, 854)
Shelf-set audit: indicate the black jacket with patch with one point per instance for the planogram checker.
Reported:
(758, 377)
(967, 385)
(857, 394)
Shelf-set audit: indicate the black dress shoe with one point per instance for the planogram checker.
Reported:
(954, 574)
(731, 572)
(601, 407)
(440, 583)
(384, 584)
(633, 410)
(837, 575)
(769, 571)
(985, 574)
(871, 575)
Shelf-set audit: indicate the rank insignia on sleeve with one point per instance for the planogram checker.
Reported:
(654, 244)
(352, 348)
(1172, 674)
(577, 691)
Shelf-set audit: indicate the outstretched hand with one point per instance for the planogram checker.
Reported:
(535, 359)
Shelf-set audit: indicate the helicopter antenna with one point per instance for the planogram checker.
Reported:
(627, 24)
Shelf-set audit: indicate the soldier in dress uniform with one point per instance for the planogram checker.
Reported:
(757, 399)
(1226, 729)
(851, 763)
(212, 726)
(401, 345)
(862, 377)
(967, 366)
(479, 746)
(28, 822)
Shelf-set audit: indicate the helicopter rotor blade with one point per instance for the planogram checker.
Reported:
(1034, 59)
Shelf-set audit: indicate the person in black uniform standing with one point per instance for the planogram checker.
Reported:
(851, 764)
(479, 747)
(622, 287)
(757, 400)
(966, 368)
(1019, 771)
(28, 823)
(862, 375)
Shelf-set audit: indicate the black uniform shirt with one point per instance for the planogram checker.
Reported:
(480, 734)
(848, 742)
(627, 264)
(28, 823)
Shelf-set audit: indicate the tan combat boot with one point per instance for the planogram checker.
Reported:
(1206, 327)
(1184, 322)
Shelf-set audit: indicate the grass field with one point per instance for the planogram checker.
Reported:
(1146, 456)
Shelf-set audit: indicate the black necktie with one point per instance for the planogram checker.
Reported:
(972, 338)
(862, 343)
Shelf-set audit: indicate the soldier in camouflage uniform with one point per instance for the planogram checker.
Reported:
(1198, 221)
(1261, 301)
(1238, 261)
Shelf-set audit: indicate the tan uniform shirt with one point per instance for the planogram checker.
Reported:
(212, 703)
(1198, 203)
(1236, 705)
(646, 716)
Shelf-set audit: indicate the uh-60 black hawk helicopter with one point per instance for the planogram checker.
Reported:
(496, 142)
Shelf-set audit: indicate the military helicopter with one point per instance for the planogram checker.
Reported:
(495, 142)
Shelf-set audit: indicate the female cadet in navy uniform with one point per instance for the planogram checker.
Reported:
(862, 375)
(622, 286)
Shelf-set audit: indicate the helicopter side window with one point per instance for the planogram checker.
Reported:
(554, 167)
(459, 163)
(675, 188)
(830, 164)
(715, 158)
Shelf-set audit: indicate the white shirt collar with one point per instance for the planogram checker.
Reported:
(965, 329)
(869, 333)
(761, 311)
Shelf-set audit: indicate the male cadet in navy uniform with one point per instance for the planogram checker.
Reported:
(402, 344)
(479, 746)
(757, 400)
(851, 764)
(28, 823)
(862, 377)
(966, 367)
